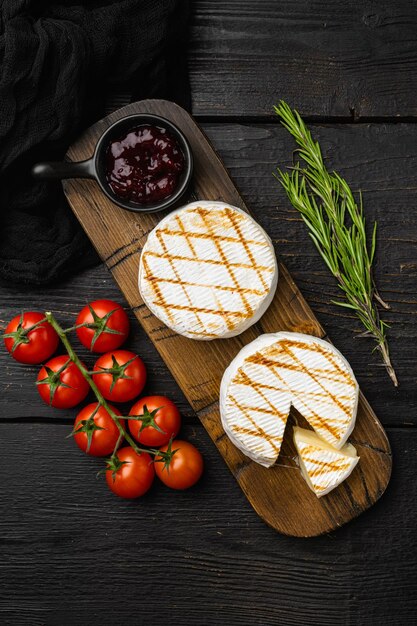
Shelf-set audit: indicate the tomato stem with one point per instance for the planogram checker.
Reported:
(118, 442)
(30, 328)
(71, 328)
(100, 398)
(19, 336)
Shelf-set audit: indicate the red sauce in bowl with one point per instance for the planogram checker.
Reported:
(145, 165)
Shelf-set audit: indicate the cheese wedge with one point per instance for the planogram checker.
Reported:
(322, 466)
(208, 270)
(279, 370)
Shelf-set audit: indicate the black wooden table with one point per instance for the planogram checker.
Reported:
(74, 554)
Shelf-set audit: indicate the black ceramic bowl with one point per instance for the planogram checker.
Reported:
(96, 166)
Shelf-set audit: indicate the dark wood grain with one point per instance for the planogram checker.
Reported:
(72, 553)
(379, 159)
(279, 495)
(341, 59)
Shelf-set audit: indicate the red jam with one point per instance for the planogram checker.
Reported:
(145, 165)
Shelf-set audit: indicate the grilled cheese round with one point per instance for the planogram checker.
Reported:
(279, 370)
(208, 271)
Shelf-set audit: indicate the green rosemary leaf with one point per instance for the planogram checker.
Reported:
(337, 226)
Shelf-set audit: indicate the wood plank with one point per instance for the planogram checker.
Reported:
(341, 59)
(380, 160)
(72, 553)
(118, 236)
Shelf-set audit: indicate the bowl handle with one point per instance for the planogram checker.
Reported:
(64, 169)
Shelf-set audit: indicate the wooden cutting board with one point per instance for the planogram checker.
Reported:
(279, 494)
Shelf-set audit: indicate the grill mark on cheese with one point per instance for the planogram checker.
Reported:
(310, 373)
(259, 359)
(174, 269)
(248, 308)
(331, 375)
(324, 469)
(335, 375)
(329, 411)
(259, 431)
(320, 420)
(174, 281)
(318, 488)
(178, 257)
(206, 333)
(157, 290)
(268, 362)
(243, 430)
(217, 217)
(323, 473)
(239, 379)
(341, 371)
(212, 237)
(197, 309)
(210, 219)
(327, 355)
(229, 323)
(232, 217)
(322, 465)
(274, 412)
(244, 379)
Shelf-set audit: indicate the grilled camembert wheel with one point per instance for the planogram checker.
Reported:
(322, 466)
(279, 370)
(208, 270)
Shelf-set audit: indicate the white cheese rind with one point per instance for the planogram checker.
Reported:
(208, 271)
(279, 370)
(323, 467)
(262, 450)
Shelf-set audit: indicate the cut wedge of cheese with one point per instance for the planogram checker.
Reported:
(279, 370)
(208, 270)
(322, 466)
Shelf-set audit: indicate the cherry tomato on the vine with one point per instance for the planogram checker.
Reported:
(30, 346)
(160, 421)
(107, 326)
(120, 375)
(130, 475)
(95, 432)
(184, 467)
(61, 384)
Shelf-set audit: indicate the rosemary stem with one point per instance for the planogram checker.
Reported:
(382, 302)
(336, 223)
(384, 350)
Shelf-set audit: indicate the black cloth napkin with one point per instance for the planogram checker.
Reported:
(58, 63)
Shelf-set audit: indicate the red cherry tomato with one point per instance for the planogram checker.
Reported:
(34, 346)
(121, 375)
(108, 326)
(61, 384)
(132, 474)
(161, 421)
(184, 468)
(95, 432)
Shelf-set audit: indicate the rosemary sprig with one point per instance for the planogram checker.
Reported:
(337, 226)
